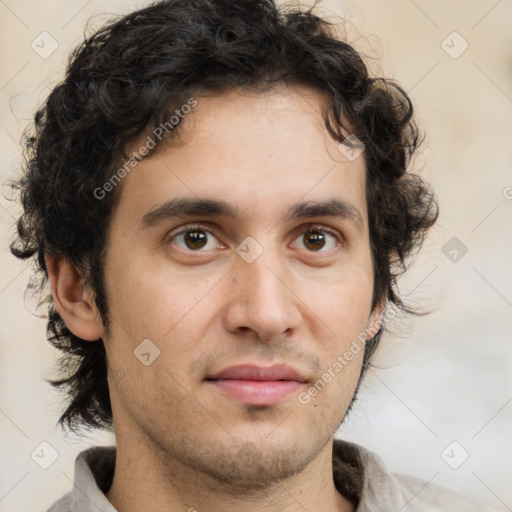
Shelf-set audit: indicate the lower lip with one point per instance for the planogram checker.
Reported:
(257, 392)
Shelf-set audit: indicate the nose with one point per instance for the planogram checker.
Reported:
(262, 299)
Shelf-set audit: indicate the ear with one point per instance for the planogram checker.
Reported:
(375, 319)
(72, 299)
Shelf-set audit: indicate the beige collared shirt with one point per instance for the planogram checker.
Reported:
(359, 475)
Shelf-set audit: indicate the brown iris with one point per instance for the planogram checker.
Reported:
(195, 239)
(315, 240)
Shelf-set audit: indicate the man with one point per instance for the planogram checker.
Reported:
(218, 194)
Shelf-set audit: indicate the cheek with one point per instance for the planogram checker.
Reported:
(171, 309)
(341, 298)
(339, 313)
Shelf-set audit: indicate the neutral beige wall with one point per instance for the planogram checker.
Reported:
(444, 377)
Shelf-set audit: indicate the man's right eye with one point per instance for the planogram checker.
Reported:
(193, 238)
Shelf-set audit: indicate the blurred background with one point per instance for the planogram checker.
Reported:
(438, 405)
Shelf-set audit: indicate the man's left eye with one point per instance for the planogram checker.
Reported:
(318, 239)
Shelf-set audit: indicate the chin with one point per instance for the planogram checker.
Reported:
(251, 469)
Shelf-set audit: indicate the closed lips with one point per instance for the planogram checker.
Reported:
(252, 372)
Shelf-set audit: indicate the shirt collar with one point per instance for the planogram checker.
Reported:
(352, 467)
(94, 470)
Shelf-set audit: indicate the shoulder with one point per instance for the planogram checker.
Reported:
(94, 469)
(425, 496)
(63, 504)
(383, 490)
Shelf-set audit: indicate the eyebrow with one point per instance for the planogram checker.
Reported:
(183, 207)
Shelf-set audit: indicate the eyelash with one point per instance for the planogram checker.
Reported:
(311, 228)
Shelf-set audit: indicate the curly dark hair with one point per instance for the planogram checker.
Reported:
(125, 79)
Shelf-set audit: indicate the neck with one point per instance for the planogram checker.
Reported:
(145, 479)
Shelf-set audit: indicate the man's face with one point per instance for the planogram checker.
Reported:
(258, 290)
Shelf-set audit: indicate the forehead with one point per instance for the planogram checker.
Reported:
(264, 152)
